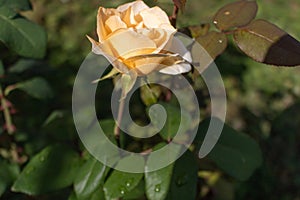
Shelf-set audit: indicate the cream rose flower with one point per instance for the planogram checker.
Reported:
(134, 37)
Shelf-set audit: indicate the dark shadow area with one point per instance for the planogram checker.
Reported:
(284, 52)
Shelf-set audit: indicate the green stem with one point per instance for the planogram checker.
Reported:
(120, 116)
(228, 32)
(7, 116)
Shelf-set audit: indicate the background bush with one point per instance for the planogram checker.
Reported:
(263, 102)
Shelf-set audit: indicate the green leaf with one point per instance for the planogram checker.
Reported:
(9, 13)
(173, 121)
(120, 183)
(1, 68)
(184, 179)
(36, 87)
(264, 42)
(22, 65)
(90, 176)
(226, 189)
(158, 182)
(137, 192)
(55, 167)
(17, 5)
(235, 153)
(72, 196)
(200, 30)
(235, 14)
(98, 194)
(55, 115)
(22, 36)
(110, 74)
(287, 123)
(108, 126)
(8, 173)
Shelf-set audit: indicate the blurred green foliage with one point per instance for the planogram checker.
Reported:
(263, 102)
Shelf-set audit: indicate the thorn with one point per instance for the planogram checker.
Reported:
(13, 111)
(11, 129)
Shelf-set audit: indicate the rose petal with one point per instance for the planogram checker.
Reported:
(176, 69)
(145, 64)
(174, 45)
(140, 25)
(167, 26)
(127, 43)
(114, 23)
(137, 6)
(159, 36)
(128, 17)
(103, 15)
(154, 17)
(96, 49)
(147, 68)
(101, 32)
(130, 12)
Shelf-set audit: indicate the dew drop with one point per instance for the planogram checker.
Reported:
(215, 22)
(122, 190)
(30, 170)
(227, 13)
(42, 158)
(128, 182)
(157, 188)
(181, 180)
(220, 41)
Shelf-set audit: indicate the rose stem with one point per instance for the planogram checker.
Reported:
(7, 117)
(119, 119)
(173, 18)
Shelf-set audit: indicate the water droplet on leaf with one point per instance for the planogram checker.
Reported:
(227, 13)
(181, 180)
(122, 190)
(30, 170)
(157, 188)
(42, 158)
(215, 22)
(128, 183)
(220, 41)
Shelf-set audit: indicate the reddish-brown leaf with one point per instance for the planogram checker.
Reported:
(198, 31)
(213, 42)
(211, 45)
(195, 31)
(267, 43)
(235, 14)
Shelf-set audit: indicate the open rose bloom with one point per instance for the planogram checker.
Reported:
(139, 39)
